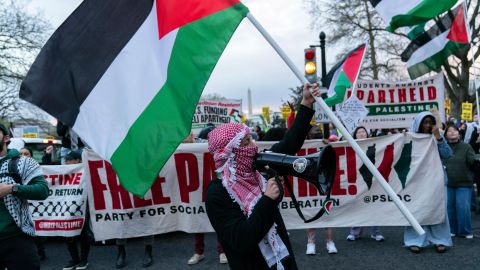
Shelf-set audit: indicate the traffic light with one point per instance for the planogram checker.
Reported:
(310, 65)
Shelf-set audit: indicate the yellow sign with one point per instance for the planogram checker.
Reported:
(49, 137)
(447, 106)
(467, 111)
(30, 135)
(266, 114)
(286, 112)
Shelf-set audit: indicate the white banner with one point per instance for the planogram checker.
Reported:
(409, 162)
(63, 212)
(411, 165)
(395, 104)
(216, 112)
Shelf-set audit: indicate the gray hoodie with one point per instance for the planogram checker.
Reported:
(418, 120)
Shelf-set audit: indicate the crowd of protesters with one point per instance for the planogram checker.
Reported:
(458, 147)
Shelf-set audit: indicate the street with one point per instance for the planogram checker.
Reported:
(171, 251)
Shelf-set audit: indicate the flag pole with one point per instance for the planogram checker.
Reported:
(371, 167)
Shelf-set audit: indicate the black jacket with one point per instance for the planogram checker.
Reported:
(240, 236)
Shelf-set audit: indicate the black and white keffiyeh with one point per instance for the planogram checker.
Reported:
(18, 208)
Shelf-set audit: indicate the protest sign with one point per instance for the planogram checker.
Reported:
(351, 112)
(176, 200)
(63, 212)
(395, 104)
(467, 109)
(216, 112)
(320, 115)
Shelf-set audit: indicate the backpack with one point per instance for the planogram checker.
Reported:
(13, 170)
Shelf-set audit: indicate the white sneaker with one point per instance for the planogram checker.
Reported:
(452, 235)
(223, 258)
(331, 247)
(195, 258)
(311, 249)
(378, 237)
(352, 237)
(470, 236)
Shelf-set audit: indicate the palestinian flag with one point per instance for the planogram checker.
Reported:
(343, 75)
(429, 50)
(127, 76)
(398, 13)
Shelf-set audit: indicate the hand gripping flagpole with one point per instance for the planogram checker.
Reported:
(411, 219)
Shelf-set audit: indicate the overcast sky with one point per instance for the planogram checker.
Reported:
(248, 61)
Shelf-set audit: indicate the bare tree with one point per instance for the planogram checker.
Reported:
(213, 96)
(22, 35)
(352, 20)
(459, 70)
(349, 23)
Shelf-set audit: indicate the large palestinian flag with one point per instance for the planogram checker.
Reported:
(428, 51)
(343, 75)
(127, 75)
(398, 13)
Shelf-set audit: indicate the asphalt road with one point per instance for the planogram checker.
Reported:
(171, 252)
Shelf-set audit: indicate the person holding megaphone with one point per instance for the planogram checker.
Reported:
(241, 204)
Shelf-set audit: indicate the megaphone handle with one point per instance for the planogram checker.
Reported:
(272, 173)
(280, 187)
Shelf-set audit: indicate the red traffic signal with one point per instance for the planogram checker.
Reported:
(309, 54)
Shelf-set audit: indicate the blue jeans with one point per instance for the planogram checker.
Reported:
(474, 205)
(458, 206)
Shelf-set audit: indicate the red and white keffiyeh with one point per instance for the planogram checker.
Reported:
(242, 183)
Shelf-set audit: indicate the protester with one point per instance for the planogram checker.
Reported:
(260, 133)
(47, 156)
(438, 234)
(315, 133)
(200, 248)
(200, 237)
(311, 232)
(311, 239)
(242, 206)
(26, 152)
(25, 182)
(79, 260)
(254, 135)
(39, 241)
(356, 232)
(472, 137)
(332, 129)
(122, 253)
(460, 182)
(202, 136)
(70, 140)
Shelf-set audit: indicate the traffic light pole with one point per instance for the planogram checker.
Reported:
(326, 128)
(371, 167)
